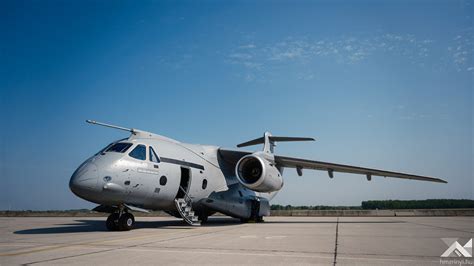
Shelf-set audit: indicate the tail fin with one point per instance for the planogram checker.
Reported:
(269, 141)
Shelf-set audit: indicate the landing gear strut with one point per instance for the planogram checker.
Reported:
(120, 221)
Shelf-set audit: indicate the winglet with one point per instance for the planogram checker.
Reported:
(269, 141)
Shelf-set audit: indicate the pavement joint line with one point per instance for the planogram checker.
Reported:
(239, 249)
(72, 256)
(295, 254)
(182, 237)
(53, 246)
(271, 253)
(23, 244)
(282, 253)
(130, 246)
(34, 250)
(344, 254)
(335, 242)
(384, 259)
(347, 254)
(438, 227)
(93, 245)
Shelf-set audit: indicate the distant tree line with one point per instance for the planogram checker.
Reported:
(319, 207)
(417, 204)
(389, 204)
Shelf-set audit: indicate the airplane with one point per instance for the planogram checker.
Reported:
(147, 172)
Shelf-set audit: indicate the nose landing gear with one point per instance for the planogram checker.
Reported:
(120, 221)
(112, 222)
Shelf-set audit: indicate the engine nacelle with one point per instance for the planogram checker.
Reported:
(256, 173)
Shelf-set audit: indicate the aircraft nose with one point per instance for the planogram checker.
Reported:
(84, 180)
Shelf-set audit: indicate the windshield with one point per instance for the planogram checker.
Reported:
(120, 147)
(139, 152)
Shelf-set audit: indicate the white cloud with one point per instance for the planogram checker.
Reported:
(352, 50)
(240, 56)
(306, 76)
(252, 65)
(462, 52)
(248, 46)
(249, 77)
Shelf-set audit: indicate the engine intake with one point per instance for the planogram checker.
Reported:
(258, 174)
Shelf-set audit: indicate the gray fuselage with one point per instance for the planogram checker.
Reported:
(112, 178)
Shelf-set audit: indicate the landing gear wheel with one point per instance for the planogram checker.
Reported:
(112, 222)
(203, 218)
(259, 219)
(126, 222)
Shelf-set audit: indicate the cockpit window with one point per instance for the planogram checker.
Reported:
(120, 147)
(102, 151)
(139, 152)
(153, 156)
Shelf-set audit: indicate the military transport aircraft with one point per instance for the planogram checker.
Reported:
(150, 172)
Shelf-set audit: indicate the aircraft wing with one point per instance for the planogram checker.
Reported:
(332, 167)
(233, 156)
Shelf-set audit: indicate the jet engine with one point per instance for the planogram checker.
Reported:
(258, 174)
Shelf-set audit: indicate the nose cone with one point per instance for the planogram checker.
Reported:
(83, 182)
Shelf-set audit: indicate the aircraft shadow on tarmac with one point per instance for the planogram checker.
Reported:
(333, 222)
(81, 226)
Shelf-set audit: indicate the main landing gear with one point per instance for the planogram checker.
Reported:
(254, 213)
(120, 221)
(203, 218)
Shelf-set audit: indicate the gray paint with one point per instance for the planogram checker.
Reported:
(116, 179)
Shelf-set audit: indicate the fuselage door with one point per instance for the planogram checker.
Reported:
(185, 181)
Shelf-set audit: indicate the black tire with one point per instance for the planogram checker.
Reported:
(112, 222)
(126, 222)
(203, 218)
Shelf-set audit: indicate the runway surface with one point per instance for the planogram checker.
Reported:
(280, 240)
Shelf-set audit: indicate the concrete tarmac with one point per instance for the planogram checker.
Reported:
(279, 240)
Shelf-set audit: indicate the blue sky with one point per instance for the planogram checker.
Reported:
(383, 85)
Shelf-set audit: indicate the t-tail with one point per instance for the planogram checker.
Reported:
(269, 141)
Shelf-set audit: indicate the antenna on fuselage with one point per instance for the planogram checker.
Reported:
(133, 131)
